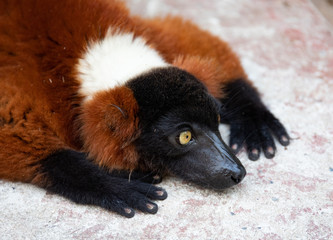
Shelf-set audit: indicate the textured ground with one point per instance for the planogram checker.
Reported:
(287, 48)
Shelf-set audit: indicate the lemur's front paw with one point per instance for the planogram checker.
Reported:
(69, 174)
(251, 124)
(255, 129)
(125, 196)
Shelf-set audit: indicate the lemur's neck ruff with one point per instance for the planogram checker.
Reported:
(113, 61)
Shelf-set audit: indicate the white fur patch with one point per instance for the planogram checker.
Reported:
(115, 60)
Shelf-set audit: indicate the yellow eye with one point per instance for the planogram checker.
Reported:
(218, 118)
(185, 137)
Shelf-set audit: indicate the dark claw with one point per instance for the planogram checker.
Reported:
(268, 145)
(236, 137)
(269, 152)
(235, 147)
(254, 154)
(127, 212)
(157, 179)
(278, 129)
(253, 142)
(284, 140)
(151, 208)
(159, 194)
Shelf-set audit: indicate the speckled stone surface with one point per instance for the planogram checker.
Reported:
(287, 49)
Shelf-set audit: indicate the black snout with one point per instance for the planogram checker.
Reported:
(226, 170)
(238, 172)
(211, 163)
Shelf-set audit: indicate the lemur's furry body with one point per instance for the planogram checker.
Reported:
(90, 95)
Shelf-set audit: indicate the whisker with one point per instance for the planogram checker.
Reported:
(235, 110)
(229, 99)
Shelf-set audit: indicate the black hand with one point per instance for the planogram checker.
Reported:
(71, 175)
(251, 123)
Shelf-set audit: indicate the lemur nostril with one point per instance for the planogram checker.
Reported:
(238, 176)
(236, 180)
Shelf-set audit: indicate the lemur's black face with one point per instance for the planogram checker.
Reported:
(179, 130)
(193, 150)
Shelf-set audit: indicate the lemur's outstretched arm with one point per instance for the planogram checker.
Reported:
(46, 162)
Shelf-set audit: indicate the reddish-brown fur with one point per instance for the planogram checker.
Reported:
(40, 110)
(175, 37)
(109, 122)
(25, 138)
(206, 69)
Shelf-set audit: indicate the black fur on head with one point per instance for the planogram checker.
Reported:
(173, 102)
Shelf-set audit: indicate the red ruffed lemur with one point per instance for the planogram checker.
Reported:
(96, 104)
